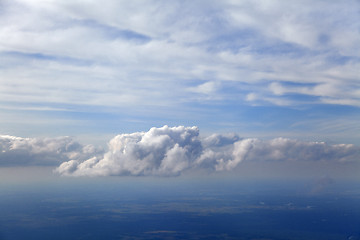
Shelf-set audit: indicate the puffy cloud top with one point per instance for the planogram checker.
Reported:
(160, 151)
(169, 151)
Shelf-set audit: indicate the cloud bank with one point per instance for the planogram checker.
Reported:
(17, 151)
(171, 151)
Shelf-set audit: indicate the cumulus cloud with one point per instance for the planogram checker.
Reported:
(160, 151)
(165, 151)
(170, 151)
(17, 151)
(283, 149)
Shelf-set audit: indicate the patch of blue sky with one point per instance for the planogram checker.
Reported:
(299, 99)
(266, 117)
(324, 39)
(112, 32)
(231, 41)
(334, 110)
(61, 119)
(42, 106)
(195, 109)
(47, 57)
(280, 48)
(252, 41)
(97, 113)
(338, 59)
(295, 84)
(245, 119)
(115, 122)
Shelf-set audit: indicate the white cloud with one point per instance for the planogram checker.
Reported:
(91, 45)
(160, 151)
(251, 97)
(17, 151)
(171, 151)
(205, 88)
(283, 149)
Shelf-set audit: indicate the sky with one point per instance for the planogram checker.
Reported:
(164, 88)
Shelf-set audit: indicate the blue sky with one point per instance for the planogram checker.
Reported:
(260, 69)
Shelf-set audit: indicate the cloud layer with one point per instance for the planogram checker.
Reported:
(299, 46)
(171, 151)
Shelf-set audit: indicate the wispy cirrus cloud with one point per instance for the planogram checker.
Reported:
(107, 50)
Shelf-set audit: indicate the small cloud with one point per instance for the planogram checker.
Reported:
(277, 88)
(205, 88)
(251, 97)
